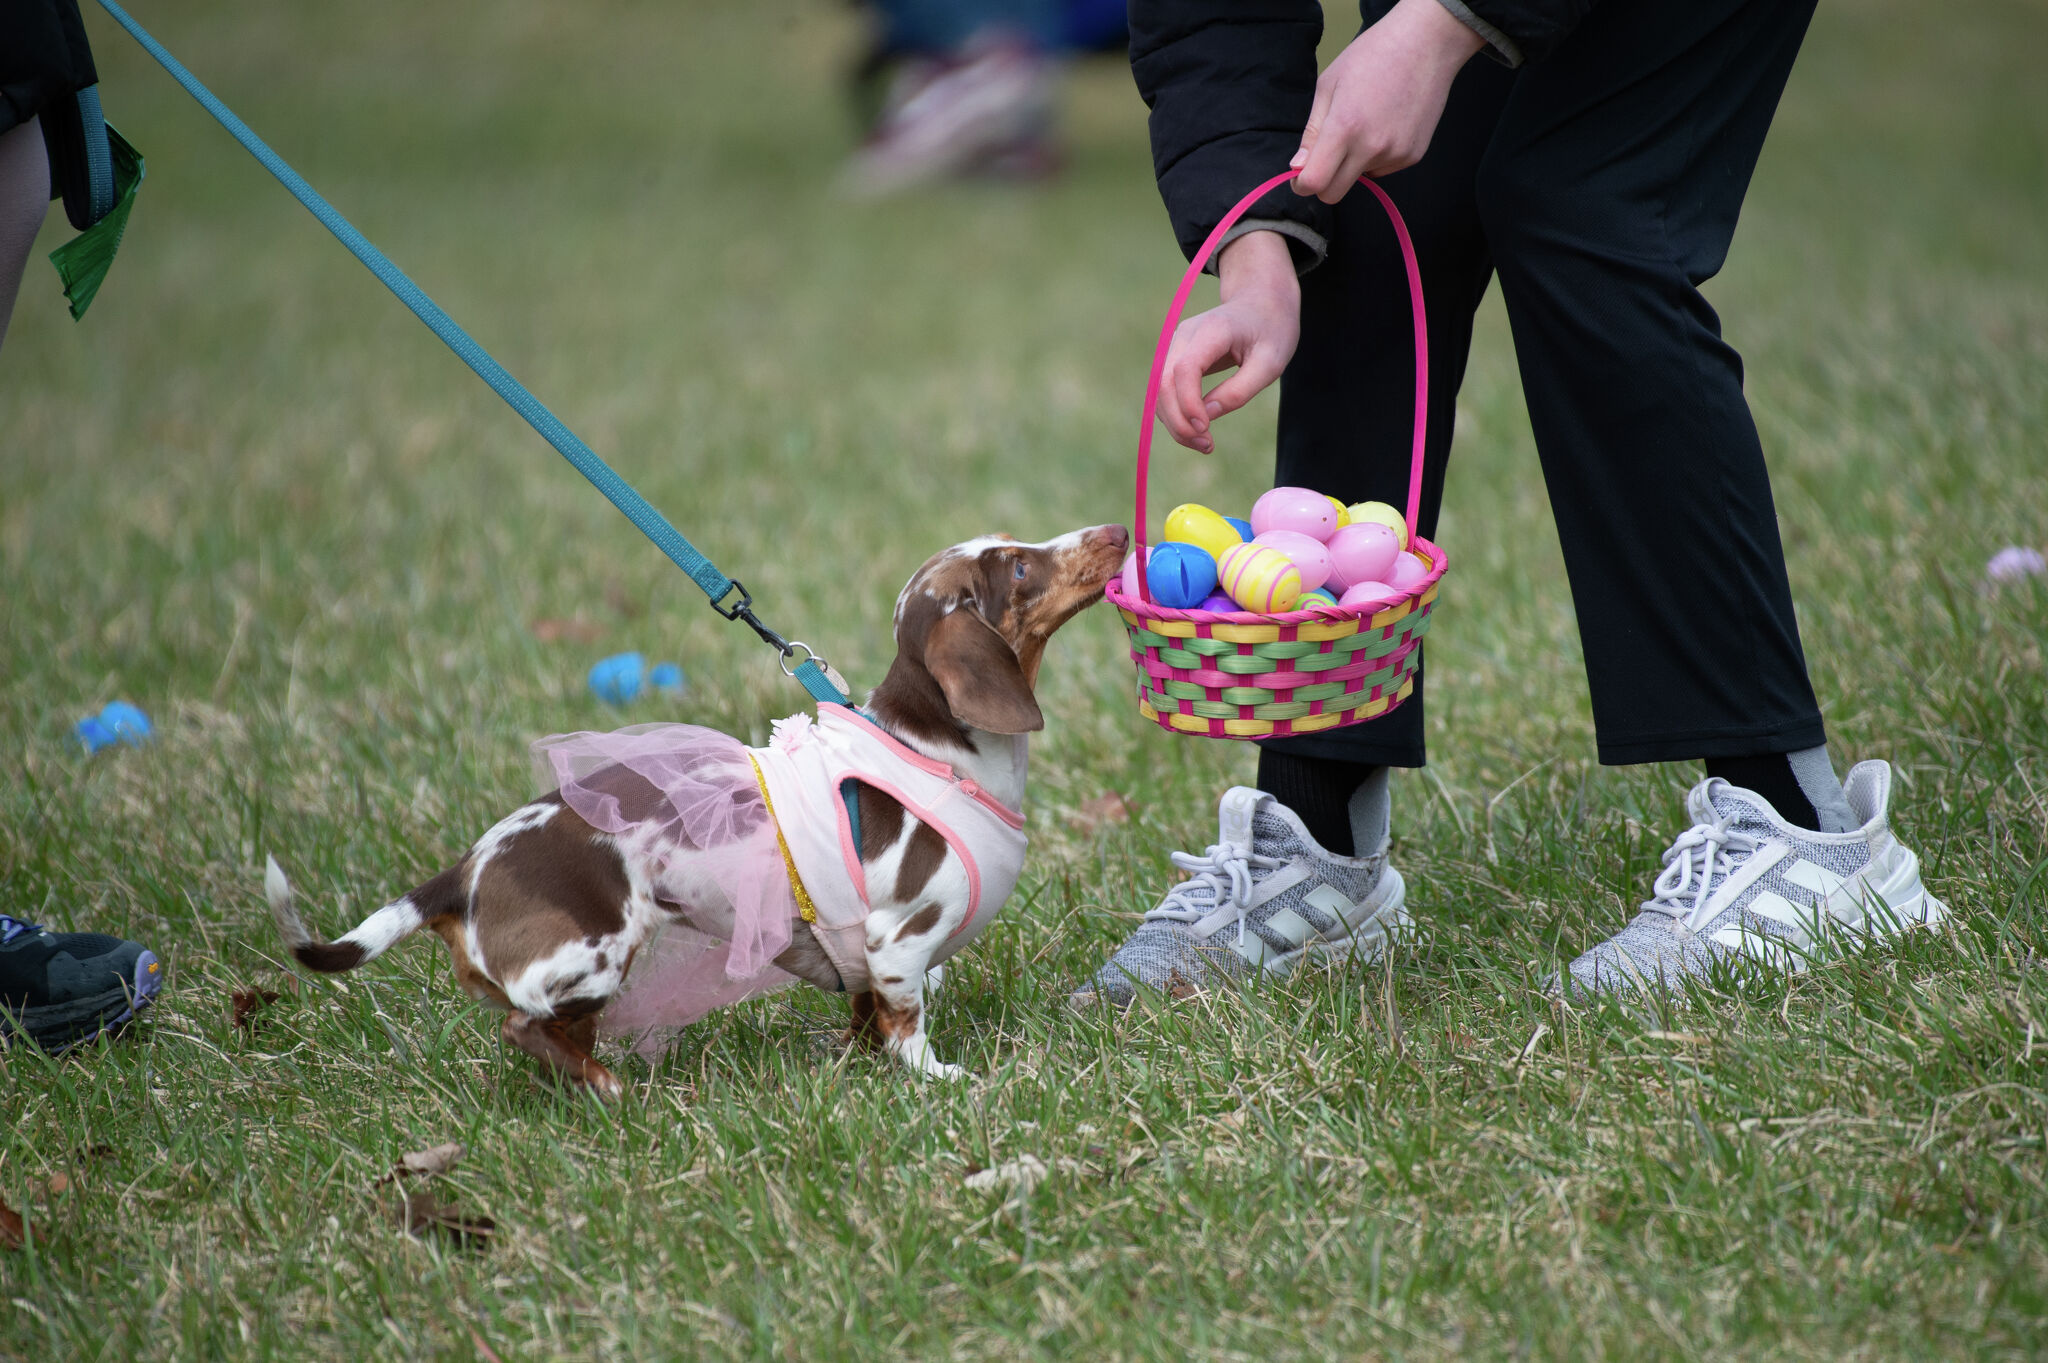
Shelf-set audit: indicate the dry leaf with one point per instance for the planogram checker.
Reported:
(59, 1183)
(422, 1213)
(13, 1231)
(1110, 808)
(438, 1159)
(1022, 1173)
(246, 1001)
(553, 631)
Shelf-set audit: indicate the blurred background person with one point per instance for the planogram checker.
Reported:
(952, 88)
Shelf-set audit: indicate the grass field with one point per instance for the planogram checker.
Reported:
(253, 495)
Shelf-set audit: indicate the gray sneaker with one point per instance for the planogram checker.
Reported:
(1265, 898)
(1742, 886)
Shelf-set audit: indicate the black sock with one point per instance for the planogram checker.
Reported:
(1319, 790)
(1769, 775)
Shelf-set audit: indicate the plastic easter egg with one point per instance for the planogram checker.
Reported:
(1191, 523)
(1363, 551)
(618, 679)
(1130, 574)
(1299, 509)
(1409, 572)
(1343, 512)
(1180, 575)
(1242, 526)
(1367, 594)
(1319, 597)
(1384, 514)
(1260, 578)
(1308, 554)
(1217, 601)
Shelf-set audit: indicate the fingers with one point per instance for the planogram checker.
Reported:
(1259, 369)
(1312, 132)
(1200, 346)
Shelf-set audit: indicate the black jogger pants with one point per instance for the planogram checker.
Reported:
(1602, 185)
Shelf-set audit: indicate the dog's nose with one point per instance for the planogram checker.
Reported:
(1115, 536)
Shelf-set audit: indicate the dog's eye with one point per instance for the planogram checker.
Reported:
(1022, 569)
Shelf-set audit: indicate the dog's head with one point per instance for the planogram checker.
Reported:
(972, 623)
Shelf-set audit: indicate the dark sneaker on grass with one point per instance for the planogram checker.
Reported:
(1743, 887)
(61, 988)
(1264, 899)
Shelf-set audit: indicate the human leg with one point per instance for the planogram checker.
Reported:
(24, 199)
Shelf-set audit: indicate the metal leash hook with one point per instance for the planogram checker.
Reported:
(791, 665)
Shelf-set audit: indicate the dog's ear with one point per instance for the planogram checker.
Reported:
(979, 672)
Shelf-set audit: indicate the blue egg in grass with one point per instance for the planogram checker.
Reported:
(619, 678)
(668, 679)
(1180, 575)
(1242, 526)
(129, 724)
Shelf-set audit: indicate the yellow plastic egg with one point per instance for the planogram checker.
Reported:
(1259, 578)
(1343, 513)
(1193, 523)
(1384, 514)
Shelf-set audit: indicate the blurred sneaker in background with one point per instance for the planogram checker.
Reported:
(61, 988)
(987, 111)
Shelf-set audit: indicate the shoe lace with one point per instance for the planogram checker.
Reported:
(1223, 876)
(1703, 856)
(11, 928)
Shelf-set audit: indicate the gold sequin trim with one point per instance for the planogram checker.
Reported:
(806, 910)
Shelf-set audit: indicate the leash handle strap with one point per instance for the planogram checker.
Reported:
(1180, 302)
(617, 490)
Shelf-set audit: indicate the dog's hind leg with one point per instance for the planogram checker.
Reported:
(563, 1045)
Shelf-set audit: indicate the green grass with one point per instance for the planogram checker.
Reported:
(250, 493)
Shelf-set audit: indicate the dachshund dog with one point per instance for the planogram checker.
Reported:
(896, 829)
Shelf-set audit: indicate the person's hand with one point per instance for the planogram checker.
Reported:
(1378, 104)
(1254, 327)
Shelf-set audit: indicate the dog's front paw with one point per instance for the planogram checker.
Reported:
(939, 1069)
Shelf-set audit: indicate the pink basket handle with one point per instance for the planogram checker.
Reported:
(1180, 300)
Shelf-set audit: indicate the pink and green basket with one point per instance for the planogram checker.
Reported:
(1239, 674)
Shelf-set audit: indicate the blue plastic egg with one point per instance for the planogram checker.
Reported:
(1180, 575)
(619, 678)
(1242, 526)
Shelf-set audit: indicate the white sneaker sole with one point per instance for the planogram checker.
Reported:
(1372, 928)
(1861, 913)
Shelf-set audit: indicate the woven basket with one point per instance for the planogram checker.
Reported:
(1239, 674)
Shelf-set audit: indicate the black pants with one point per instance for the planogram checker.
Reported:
(1602, 184)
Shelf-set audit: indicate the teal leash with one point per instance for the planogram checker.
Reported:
(808, 668)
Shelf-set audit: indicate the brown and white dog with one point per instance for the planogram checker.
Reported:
(543, 914)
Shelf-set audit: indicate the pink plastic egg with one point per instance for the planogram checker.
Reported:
(1363, 551)
(1299, 509)
(1409, 572)
(1367, 594)
(1307, 551)
(1130, 577)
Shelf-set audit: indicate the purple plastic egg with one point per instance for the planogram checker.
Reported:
(1298, 509)
(1409, 572)
(1367, 594)
(1307, 551)
(1362, 552)
(1217, 602)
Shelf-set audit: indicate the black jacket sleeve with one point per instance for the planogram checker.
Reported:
(1533, 28)
(43, 57)
(1230, 84)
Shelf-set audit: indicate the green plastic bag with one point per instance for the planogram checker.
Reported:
(82, 262)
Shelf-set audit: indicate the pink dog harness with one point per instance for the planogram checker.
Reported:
(770, 828)
(803, 768)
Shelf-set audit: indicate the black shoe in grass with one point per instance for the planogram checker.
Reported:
(61, 988)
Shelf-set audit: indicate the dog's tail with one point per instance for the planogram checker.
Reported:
(372, 937)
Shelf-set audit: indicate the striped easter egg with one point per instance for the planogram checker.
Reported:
(1259, 578)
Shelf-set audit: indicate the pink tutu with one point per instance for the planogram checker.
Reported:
(666, 790)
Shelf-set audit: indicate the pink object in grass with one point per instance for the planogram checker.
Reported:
(1369, 594)
(2014, 562)
(1309, 555)
(1409, 572)
(1296, 509)
(1363, 551)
